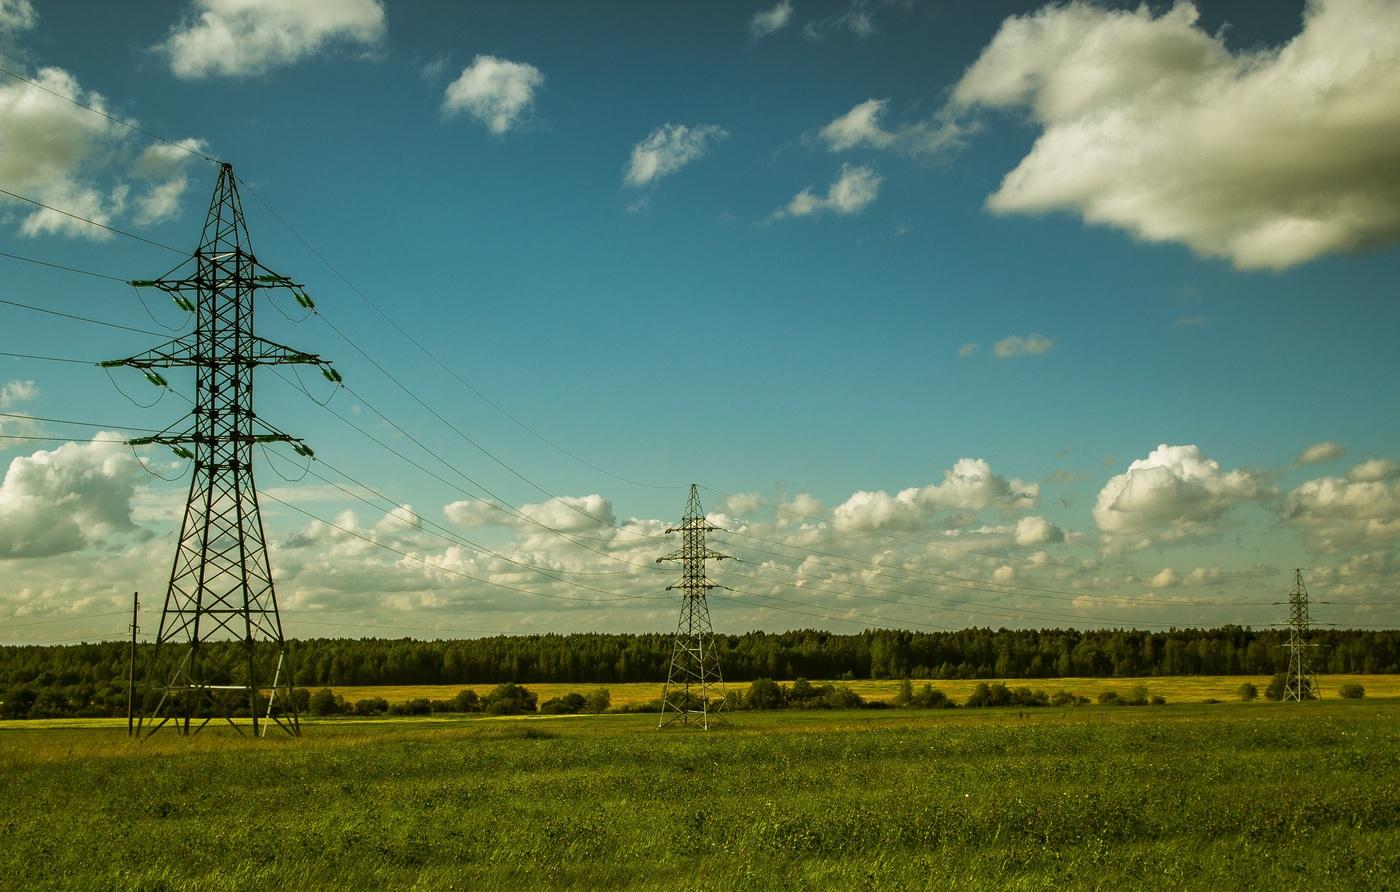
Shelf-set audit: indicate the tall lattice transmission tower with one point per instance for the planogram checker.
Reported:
(220, 582)
(1301, 683)
(694, 674)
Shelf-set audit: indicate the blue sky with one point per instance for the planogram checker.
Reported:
(934, 274)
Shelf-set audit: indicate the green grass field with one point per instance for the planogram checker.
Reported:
(1177, 689)
(1182, 796)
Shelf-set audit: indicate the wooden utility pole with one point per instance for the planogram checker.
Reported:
(131, 668)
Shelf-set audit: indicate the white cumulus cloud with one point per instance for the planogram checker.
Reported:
(767, 21)
(668, 148)
(1318, 453)
(1032, 344)
(1175, 493)
(497, 92)
(862, 127)
(66, 157)
(62, 500)
(1340, 513)
(1037, 531)
(1268, 157)
(238, 38)
(855, 188)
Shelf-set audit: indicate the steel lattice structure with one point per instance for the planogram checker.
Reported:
(220, 582)
(694, 674)
(1301, 683)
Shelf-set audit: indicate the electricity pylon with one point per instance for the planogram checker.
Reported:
(1301, 683)
(220, 582)
(694, 672)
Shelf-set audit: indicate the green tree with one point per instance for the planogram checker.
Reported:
(1351, 691)
(599, 699)
(1247, 692)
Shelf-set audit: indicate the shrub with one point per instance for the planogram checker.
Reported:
(569, 704)
(1063, 698)
(1247, 692)
(464, 700)
(1158, 700)
(1137, 696)
(838, 697)
(509, 698)
(1109, 697)
(931, 698)
(599, 700)
(995, 694)
(1351, 691)
(326, 702)
(1275, 689)
(905, 696)
(765, 693)
(371, 706)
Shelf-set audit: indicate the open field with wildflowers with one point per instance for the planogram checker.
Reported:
(1230, 795)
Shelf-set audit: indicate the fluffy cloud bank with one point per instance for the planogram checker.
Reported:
(497, 92)
(1175, 493)
(856, 187)
(1339, 513)
(72, 497)
(1269, 158)
(237, 38)
(67, 157)
(668, 148)
(970, 485)
(1318, 453)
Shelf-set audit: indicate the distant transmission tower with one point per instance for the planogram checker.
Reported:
(1301, 683)
(220, 582)
(694, 672)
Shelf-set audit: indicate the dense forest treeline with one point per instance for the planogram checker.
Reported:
(603, 658)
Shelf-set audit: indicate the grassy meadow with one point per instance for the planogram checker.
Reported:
(1180, 796)
(1176, 689)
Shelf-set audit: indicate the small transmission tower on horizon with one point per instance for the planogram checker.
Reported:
(1301, 682)
(694, 670)
(221, 581)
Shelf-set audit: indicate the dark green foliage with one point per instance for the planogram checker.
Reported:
(371, 706)
(465, 700)
(764, 693)
(508, 698)
(998, 694)
(599, 700)
(1276, 686)
(416, 706)
(1109, 698)
(1351, 691)
(326, 702)
(1248, 692)
(569, 704)
(930, 697)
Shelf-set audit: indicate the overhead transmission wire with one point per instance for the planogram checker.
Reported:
(499, 501)
(91, 222)
(499, 504)
(444, 366)
(78, 318)
(613, 596)
(111, 117)
(1005, 590)
(59, 266)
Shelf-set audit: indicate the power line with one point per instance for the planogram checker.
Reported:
(614, 596)
(449, 535)
(55, 439)
(428, 353)
(63, 619)
(123, 427)
(131, 235)
(87, 319)
(113, 118)
(48, 358)
(69, 269)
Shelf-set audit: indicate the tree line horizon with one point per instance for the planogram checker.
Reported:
(592, 657)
